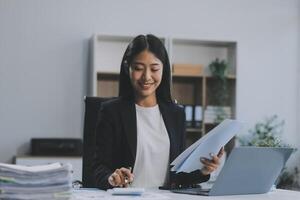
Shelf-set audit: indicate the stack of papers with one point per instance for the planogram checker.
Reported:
(51, 181)
(212, 142)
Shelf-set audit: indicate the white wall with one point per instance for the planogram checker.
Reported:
(44, 57)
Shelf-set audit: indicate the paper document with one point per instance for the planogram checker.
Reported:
(212, 142)
(51, 181)
(34, 169)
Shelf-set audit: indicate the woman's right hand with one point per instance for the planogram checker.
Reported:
(121, 177)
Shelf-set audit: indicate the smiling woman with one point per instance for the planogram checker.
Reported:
(145, 54)
(146, 75)
(143, 129)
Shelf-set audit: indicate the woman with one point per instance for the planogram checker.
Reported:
(143, 128)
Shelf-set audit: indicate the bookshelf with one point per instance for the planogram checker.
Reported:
(200, 89)
(194, 89)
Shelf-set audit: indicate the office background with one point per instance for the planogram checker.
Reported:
(44, 58)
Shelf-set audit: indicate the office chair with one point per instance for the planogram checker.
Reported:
(92, 107)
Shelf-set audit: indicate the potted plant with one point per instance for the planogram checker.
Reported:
(218, 70)
(265, 134)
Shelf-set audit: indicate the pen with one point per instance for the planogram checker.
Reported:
(127, 181)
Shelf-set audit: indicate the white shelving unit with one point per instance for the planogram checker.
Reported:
(194, 51)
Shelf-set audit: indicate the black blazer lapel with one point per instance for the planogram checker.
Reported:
(128, 115)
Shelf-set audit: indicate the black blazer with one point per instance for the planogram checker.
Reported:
(116, 140)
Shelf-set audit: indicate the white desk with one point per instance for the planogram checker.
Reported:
(94, 194)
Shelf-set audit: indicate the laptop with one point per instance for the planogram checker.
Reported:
(248, 170)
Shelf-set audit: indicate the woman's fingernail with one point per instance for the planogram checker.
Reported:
(211, 154)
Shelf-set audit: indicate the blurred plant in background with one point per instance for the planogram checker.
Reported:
(289, 180)
(218, 69)
(265, 134)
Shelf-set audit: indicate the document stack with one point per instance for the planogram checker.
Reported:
(53, 181)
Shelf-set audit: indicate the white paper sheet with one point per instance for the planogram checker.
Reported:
(212, 142)
(35, 182)
(36, 168)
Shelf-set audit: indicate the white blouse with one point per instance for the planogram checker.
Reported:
(153, 146)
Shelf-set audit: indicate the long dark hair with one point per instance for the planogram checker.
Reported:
(137, 45)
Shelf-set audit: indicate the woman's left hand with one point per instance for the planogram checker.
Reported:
(212, 164)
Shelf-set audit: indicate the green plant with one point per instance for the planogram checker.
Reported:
(289, 180)
(265, 134)
(218, 70)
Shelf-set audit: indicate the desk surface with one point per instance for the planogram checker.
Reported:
(154, 194)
